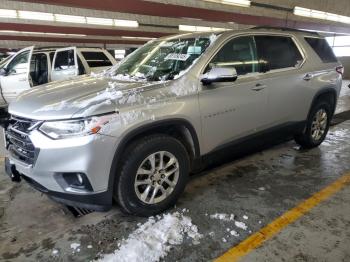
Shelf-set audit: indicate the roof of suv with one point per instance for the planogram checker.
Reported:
(266, 29)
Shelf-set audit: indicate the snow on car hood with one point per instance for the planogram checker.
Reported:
(75, 98)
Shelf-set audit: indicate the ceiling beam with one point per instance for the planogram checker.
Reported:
(69, 40)
(77, 30)
(177, 11)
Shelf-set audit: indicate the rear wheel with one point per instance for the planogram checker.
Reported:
(316, 127)
(153, 175)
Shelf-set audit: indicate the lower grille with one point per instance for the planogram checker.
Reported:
(18, 142)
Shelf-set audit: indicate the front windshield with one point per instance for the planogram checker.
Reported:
(162, 60)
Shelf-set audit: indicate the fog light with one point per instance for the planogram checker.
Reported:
(80, 179)
(74, 182)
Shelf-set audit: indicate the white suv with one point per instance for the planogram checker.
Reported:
(36, 66)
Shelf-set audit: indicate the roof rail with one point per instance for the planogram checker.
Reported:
(56, 47)
(286, 29)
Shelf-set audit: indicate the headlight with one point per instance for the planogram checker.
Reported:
(70, 128)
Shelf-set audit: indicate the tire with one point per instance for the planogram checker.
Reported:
(309, 139)
(137, 164)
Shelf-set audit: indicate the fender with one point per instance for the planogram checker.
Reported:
(156, 124)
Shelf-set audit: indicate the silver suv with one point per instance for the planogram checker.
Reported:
(135, 132)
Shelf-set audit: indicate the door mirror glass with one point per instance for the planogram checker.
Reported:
(219, 74)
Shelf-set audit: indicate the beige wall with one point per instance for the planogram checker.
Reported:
(346, 63)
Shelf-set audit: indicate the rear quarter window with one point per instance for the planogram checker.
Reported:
(96, 59)
(278, 52)
(322, 49)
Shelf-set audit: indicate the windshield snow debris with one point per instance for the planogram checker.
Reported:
(213, 38)
(153, 240)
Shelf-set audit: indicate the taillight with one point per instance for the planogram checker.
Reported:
(340, 69)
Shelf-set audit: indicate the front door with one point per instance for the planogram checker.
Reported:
(17, 79)
(231, 110)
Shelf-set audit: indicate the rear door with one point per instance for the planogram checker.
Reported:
(282, 62)
(17, 78)
(65, 64)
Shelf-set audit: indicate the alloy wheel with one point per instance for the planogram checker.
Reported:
(156, 177)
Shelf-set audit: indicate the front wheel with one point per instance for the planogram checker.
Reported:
(153, 175)
(316, 127)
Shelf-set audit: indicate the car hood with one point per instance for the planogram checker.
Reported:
(80, 97)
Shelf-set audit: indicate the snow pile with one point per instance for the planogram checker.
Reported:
(152, 240)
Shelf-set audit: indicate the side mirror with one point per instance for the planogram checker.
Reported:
(220, 74)
(3, 71)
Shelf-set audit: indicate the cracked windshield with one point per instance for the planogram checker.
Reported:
(161, 60)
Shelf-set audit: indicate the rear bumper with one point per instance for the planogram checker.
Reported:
(101, 201)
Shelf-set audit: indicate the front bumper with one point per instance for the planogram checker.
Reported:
(91, 156)
(95, 201)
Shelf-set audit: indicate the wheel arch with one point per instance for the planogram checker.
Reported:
(180, 128)
(328, 94)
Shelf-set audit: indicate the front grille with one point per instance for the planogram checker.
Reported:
(18, 142)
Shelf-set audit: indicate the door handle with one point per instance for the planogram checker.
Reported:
(308, 77)
(259, 87)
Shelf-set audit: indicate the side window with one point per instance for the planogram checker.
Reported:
(322, 49)
(19, 64)
(277, 52)
(239, 53)
(96, 59)
(64, 60)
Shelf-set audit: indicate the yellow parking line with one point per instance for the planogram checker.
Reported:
(257, 239)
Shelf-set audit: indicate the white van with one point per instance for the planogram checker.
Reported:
(31, 67)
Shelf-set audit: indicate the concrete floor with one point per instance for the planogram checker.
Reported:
(262, 186)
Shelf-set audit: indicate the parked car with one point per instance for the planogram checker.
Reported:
(32, 67)
(135, 132)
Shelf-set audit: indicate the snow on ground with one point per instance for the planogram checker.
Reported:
(153, 240)
(234, 233)
(75, 247)
(222, 216)
(241, 225)
(230, 217)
